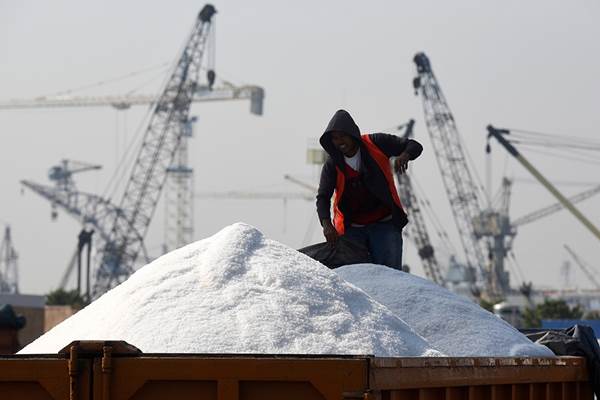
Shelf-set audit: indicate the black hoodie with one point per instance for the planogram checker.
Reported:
(371, 174)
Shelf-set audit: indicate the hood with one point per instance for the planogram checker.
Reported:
(341, 122)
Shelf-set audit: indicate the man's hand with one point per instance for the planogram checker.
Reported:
(401, 163)
(329, 232)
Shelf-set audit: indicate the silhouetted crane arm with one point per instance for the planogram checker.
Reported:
(498, 135)
(553, 208)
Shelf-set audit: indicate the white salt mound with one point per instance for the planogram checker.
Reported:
(238, 292)
(452, 324)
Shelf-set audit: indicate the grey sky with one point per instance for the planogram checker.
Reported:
(530, 65)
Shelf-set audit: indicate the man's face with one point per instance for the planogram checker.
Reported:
(344, 143)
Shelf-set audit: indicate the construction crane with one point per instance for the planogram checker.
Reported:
(461, 188)
(587, 270)
(122, 228)
(127, 229)
(416, 229)
(499, 135)
(179, 206)
(9, 270)
(179, 201)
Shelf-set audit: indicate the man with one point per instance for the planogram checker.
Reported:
(366, 207)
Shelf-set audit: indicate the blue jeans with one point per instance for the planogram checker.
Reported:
(383, 240)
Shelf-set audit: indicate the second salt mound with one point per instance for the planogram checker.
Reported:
(452, 324)
(238, 292)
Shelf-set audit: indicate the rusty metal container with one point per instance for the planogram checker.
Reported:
(118, 371)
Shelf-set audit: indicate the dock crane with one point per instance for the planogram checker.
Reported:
(499, 135)
(127, 227)
(461, 188)
(121, 228)
(179, 208)
(416, 229)
(9, 271)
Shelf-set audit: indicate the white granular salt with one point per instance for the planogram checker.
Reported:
(238, 292)
(450, 323)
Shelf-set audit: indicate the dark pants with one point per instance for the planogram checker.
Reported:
(383, 240)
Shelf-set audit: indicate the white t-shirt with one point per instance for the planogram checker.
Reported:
(354, 161)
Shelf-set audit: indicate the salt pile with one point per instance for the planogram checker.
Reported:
(452, 324)
(238, 292)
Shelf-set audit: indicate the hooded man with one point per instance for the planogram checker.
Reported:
(366, 206)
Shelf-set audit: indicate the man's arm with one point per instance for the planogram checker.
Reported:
(393, 146)
(324, 193)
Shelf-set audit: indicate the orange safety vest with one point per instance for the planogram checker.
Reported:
(384, 164)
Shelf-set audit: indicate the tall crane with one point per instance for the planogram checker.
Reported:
(121, 228)
(127, 229)
(499, 135)
(461, 188)
(587, 270)
(416, 229)
(9, 271)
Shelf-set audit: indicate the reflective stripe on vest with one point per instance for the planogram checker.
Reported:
(383, 163)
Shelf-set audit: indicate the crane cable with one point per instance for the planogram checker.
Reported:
(437, 225)
(103, 82)
(578, 148)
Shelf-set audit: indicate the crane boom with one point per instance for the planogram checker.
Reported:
(461, 189)
(551, 209)
(225, 92)
(498, 134)
(161, 140)
(84, 207)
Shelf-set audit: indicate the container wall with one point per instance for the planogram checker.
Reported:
(43, 379)
(118, 371)
(564, 378)
(231, 378)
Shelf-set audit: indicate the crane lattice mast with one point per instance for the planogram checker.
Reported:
(416, 229)
(461, 188)
(9, 271)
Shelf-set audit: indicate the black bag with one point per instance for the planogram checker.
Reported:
(578, 340)
(344, 252)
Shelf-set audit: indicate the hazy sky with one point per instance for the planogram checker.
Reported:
(530, 65)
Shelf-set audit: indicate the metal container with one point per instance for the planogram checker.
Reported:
(118, 371)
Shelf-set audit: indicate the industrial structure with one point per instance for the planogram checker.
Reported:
(417, 230)
(464, 193)
(121, 227)
(9, 269)
(499, 135)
